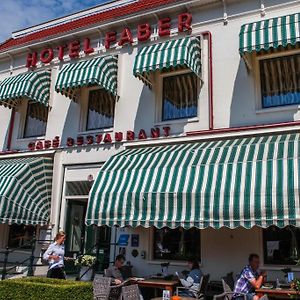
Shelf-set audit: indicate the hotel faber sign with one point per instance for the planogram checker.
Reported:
(143, 31)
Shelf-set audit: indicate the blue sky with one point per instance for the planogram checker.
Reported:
(19, 14)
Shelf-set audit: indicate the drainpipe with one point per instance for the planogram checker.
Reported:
(11, 129)
(210, 80)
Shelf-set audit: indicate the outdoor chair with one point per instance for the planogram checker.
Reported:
(228, 293)
(101, 288)
(202, 287)
(131, 292)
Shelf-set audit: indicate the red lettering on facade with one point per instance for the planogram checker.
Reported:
(87, 49)
(47, 144)
(166, 131)
(130, 135)
(126, 37)
(47, 55)
(119, 136)
(110, 37)
(56, 142)
(155, 133)
(90, 140)
(164, 27)
(142, 135)
(185, 22)
(74, 49)
(32, 59)
(99, 138)
(70, 142)
(144, 32)
(80, 141)
(61, 52)
(107, 138)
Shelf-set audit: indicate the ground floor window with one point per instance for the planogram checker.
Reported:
(281, 246)
(20, 236)
(177, 244)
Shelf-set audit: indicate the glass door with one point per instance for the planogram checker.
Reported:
(75, 226)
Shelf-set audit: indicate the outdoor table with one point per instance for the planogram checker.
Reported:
(159, 284)
(181, 298)
(278, 293)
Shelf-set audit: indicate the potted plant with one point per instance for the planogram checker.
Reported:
(86, 263)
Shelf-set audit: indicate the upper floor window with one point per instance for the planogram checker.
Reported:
(35, 120)
(101, 110)
(281, 246)
(180, 96)
(280, 80)
(176, 244)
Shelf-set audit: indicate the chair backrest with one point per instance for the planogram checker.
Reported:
(101, 288)
(229, 280)
(226, 287)
(204, 284)
(131, 292)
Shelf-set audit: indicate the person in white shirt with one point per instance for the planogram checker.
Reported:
(55, 255)
(192, 281)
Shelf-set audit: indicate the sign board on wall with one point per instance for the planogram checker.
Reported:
(111, 39)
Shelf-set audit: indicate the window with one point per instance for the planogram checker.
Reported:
(280, 81)
(20, 236)
(36, 120)
(180, 96)
(101, 110)
(176, 244)
(281, 246)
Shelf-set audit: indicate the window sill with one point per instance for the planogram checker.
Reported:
(277, 109)
(178, 121)
(30, 139)
(178, 263)
(97, 131)
(279, 267)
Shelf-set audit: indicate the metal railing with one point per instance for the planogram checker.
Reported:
(29, 262)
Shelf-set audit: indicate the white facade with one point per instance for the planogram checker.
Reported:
(236, 103)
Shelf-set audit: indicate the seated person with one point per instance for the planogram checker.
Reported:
(192, 281)
(115, 270)
(249, 280)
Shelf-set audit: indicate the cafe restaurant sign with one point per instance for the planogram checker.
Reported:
(101, 138)
(124, 37)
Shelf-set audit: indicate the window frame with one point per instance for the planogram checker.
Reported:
(21, 248)
(257, 77)
(22, 109)
(159, 78)
(272, 266)
(84, 101)
(154, 260)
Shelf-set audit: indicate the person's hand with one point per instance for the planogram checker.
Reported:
(263, 273)
(118, 281)
(55, 257)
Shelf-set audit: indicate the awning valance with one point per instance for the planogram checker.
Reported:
(25, 190)
(101, 71)
(181, 53)
(246, 182)
(34, 86)
(270, 33)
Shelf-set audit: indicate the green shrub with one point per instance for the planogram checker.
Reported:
(39, 288)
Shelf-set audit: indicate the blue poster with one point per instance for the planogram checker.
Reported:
(123, 240)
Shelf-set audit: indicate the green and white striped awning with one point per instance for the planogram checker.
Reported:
(34, 86)
(271, 33)
(181, 53)
(251, 181)
(25, 190)
(101, 71)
